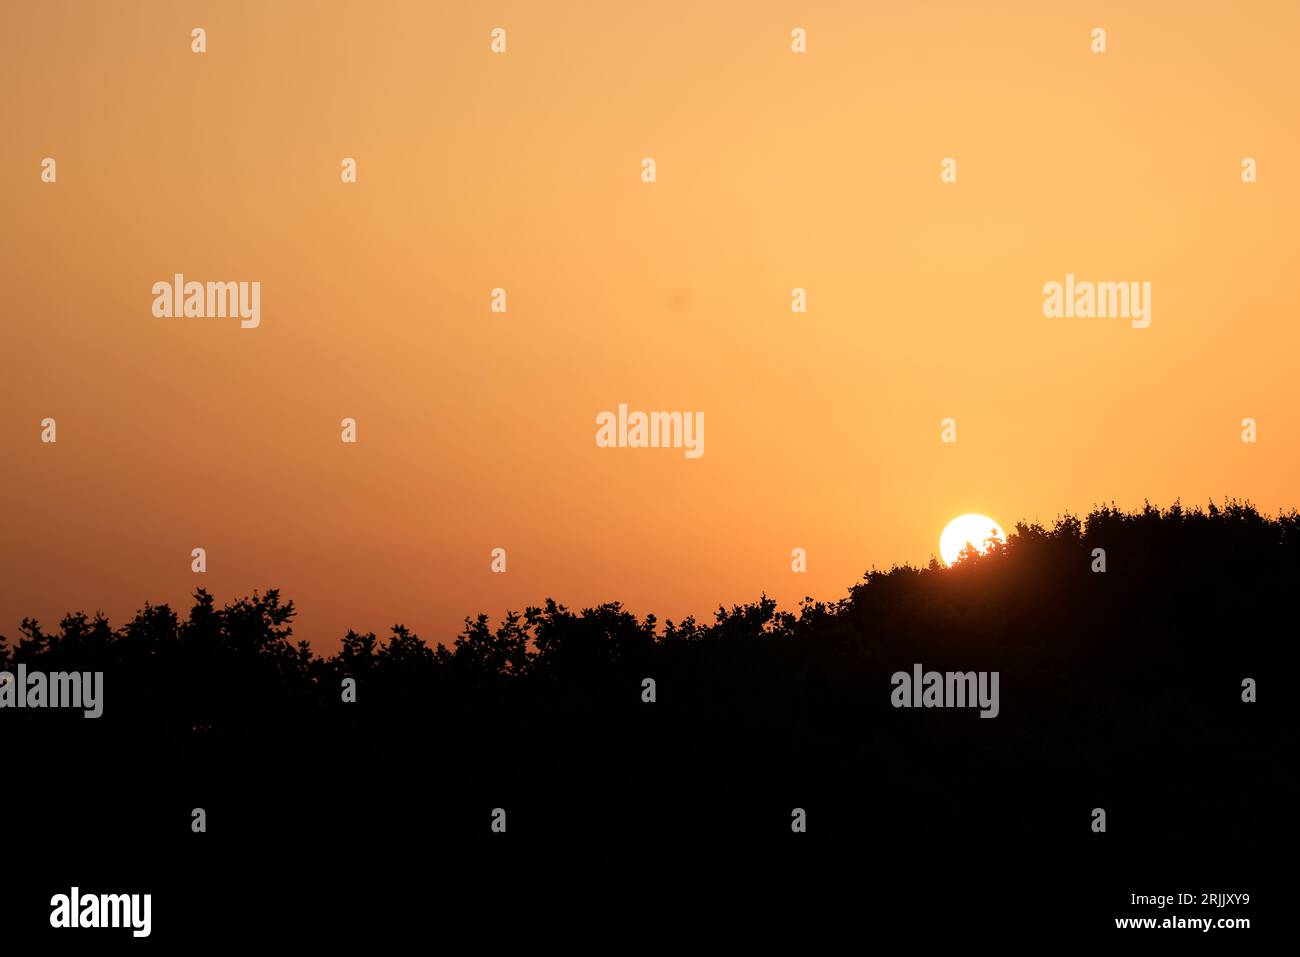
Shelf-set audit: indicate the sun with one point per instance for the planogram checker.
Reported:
(972, 528)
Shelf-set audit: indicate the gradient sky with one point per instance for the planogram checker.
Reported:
(775, 170)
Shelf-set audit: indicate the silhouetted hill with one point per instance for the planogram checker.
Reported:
(1120, 661)
(1119, 689)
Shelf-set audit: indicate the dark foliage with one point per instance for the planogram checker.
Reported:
(1142, 663)
(1119, 690)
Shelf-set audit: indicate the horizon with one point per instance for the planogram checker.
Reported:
(1014, 534)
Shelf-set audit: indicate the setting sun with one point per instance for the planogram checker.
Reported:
(971, 528)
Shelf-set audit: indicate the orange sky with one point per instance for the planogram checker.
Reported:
(522, 171)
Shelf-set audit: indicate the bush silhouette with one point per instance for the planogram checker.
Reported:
(1142, 663)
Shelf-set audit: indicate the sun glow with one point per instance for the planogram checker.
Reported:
(971, 528)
